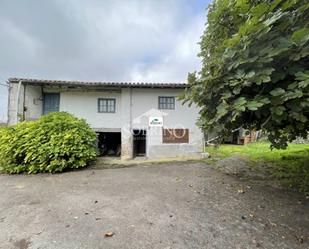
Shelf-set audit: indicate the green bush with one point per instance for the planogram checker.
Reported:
(54, 143)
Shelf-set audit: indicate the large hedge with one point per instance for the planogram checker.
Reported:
(54, 143)
(255, 71)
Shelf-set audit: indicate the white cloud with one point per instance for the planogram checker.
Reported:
(118, 40)
(174, 65)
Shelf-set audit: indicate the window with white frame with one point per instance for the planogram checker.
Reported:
(106, 105)
(167, 103)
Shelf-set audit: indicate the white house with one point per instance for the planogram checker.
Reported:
(130, 118)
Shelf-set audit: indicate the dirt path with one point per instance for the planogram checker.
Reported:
(155, 206)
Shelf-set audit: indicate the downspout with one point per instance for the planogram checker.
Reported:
(131, 109)
(24, 103)
(131, 126)
(18, 100)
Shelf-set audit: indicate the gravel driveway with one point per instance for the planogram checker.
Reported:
(175, 205)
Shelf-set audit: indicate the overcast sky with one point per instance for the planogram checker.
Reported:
(106, 40)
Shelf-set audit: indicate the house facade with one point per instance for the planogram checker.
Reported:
(131, 119)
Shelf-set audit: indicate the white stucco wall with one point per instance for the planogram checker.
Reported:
(147, 99)
(15, 112)
(85, 105)
(33, 102)
(183, 116)
(133, 108)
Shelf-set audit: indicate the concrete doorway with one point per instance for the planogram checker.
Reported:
(139, 143)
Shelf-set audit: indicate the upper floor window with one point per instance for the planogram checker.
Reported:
(107, 105)
(51, 102)
(167, 103)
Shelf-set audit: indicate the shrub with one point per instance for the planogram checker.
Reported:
(54, 143)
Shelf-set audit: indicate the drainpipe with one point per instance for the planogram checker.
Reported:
(131, 126)
(17, 100)
(131, 109)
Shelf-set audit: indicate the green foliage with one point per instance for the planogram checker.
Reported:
(289, 166)
(255, 71)
(54, 143)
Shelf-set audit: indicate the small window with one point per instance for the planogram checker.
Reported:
(106, 105)
(167, 103)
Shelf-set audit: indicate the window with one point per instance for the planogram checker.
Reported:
(106, 105)
(167, 103)
(51, 102)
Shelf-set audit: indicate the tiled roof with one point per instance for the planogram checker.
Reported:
(99, 83)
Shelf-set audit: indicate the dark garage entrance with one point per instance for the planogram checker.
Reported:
(139, 143)
(109, 143)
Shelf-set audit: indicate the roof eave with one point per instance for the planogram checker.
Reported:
(98, 84)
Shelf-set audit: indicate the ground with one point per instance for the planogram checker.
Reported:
(170, 205)
(287, 167)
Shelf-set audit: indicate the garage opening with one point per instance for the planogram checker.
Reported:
(139, 143)
(109, 143)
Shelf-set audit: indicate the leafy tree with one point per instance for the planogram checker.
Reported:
(255, 69)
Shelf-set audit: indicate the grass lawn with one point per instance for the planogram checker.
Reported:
(290, 165)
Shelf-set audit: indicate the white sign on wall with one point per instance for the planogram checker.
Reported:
(156, 121)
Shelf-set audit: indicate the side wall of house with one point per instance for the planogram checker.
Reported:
(12, 112)
(33, 102)
(30, 103)
(15, 110)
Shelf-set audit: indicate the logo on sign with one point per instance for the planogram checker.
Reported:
(155, 121)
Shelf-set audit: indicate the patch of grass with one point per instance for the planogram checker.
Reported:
(261, 151)
(291, 166)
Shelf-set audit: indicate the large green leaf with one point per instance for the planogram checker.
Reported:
(278, 110)
(300, 36)
(260, 9)
(222, 109)
(239, 104)
(277, 91)
(254, 105)
(303, 84)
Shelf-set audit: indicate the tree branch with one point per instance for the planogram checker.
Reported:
(266, 121)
